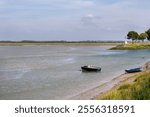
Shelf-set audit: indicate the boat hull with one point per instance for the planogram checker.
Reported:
(133, 70)
(87, 69)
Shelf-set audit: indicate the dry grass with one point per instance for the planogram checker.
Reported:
(138, 90)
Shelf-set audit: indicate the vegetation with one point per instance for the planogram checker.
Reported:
(139, 90)
(143, 36)
(148, 33)
(135, 46)
(134, 36)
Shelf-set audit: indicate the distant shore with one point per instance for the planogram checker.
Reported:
(86, 43)
(100, 91)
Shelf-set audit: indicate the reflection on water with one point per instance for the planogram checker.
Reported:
(53, 72)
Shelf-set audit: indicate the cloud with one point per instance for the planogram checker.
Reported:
(90, 20)
(72, 19)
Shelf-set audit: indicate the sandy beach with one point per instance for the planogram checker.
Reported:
(98, 91)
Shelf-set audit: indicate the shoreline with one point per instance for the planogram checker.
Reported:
(99, 91)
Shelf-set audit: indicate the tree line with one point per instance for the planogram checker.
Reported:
(134, 36)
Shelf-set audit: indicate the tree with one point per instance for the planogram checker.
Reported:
(148, 33)
(132, 35)
(143, 36)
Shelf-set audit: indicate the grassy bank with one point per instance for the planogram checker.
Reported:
(136, 46)
(137, 90)
(58, 44)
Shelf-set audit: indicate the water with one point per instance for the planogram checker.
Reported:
(53, 72)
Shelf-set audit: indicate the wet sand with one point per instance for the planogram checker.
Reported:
(108, 86)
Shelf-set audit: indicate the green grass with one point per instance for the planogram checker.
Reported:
(139, 90)
(136, 46)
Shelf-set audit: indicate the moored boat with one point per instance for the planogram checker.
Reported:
(133, 70)
(89, 68)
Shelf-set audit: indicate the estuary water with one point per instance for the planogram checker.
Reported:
(54, 72)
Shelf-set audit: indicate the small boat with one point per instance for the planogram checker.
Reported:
(133, 70)
(89, 68)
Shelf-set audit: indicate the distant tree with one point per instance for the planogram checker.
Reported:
(132, 35)
(148, 33)
(143, 36)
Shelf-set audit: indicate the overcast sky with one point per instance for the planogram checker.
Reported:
(72, 19)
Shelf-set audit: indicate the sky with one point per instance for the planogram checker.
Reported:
(72, 20)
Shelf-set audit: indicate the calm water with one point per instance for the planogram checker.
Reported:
(53, 72)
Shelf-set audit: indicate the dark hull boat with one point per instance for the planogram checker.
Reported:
(133, 70)
(87, 68)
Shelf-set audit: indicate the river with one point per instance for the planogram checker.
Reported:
(54, 72)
